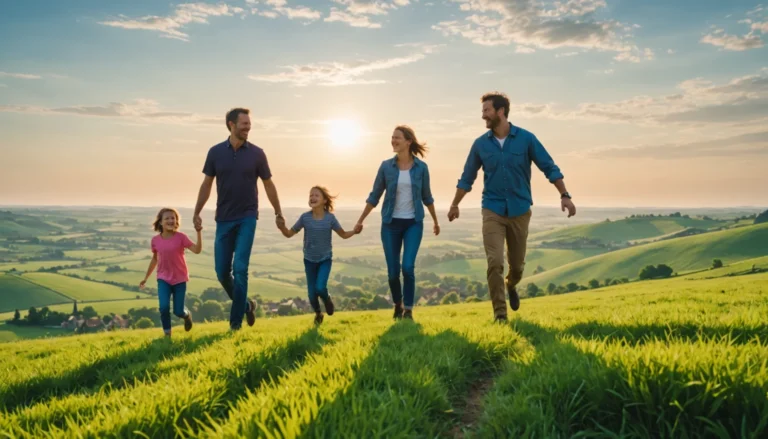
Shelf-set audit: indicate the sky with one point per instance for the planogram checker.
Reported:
(650, 103)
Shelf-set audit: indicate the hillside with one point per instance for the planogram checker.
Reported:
(682, 254)
(625, 230)
(15, 225)
(673, 352)
(17, 293)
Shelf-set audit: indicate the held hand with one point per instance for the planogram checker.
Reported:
(358, 228)
(566, 203)
(436, 229)
(198, 222)
(280, 221)
(453, 213)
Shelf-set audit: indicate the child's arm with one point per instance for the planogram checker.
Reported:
(152, 265)
(198, 247)
(287, 232)
(345, 234)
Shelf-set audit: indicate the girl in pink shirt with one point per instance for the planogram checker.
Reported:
(172, 274)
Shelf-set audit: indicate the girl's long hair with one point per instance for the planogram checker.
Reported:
(416, 147)
(328, 197)
(157, 226)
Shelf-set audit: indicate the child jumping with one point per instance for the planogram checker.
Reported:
(318, 254)
(172, 274)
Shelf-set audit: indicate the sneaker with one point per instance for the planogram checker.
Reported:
(500, 319)
(328, 305)
(514, 299)
(250, 314)
(398, 312)
(188, 321)
(408, 314)
(318, 319)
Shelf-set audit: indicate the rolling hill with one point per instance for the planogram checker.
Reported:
(17, 293)
(670, 358)
(682, 254)
(14, 225)
(625, 230)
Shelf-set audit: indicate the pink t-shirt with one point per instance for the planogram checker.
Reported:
(171, 264)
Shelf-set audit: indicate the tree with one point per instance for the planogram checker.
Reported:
(452, 297)
(89, 312)
(16, 316)
(762, 218)
(607, 281)
(144, 323)
(664, 270)
(532, 290)
(717, 263)
(216, 294)
(551, 288)
(209, 310)
(594, 283)
(573, 286)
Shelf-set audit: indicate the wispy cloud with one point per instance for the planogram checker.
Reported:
(280, 7)
(742, 102)
(171, 26)
(335, 73)
(739, 43)
(19, 75)
(530, 23)
(357, 13)
(140, 110)
(749, 144)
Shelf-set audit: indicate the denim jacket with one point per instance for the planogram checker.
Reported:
(386, 179)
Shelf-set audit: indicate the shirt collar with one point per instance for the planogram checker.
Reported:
(229, 144)
(416, 161)
(512, 131)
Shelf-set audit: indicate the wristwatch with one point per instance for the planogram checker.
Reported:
(565, 194)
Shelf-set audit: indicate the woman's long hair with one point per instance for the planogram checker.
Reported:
(416, 147)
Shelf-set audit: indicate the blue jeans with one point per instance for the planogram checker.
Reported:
(317, 281)
(234, 239)
(164, 293)
(402, 234)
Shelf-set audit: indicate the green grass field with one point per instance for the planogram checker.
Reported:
(34, 265)
(14, 333)
(102, 308)
(17, 293)
(671, 358)
(682, 254)
(624, 230)
(78, 289)
(92, 255)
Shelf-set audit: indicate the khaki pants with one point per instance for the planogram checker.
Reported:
(496, 230)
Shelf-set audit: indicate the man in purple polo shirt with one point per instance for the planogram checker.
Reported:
(236, 164)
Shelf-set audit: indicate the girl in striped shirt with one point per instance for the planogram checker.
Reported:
(318, 250)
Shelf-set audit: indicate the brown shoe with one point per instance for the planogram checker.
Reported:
(188, 321)
(500, 319)
(514, 299)
(318, 319)
(250, 315)
(408, 314)
(398, 312)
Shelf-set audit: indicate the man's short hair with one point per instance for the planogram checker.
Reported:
(233, 114)
(499, 100)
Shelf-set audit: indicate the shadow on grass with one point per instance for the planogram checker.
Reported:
(113, 369)
(408, 386)
(565, 392)
(688, 332)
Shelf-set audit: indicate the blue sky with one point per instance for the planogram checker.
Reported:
(640, 103)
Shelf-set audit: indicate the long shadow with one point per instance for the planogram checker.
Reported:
(408, 386)
(565, 392)
(115, 369)
(688, 332)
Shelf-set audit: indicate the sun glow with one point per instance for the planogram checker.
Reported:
(344, 133)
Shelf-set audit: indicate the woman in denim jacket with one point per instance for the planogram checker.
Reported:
(405, 179)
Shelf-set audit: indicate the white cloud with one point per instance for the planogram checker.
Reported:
(532, 24)
(140, 110)
(566, 54)
(357, 13)
(740, 102)
(748, 144)
(524, 49)
(19, 75)
(336, 73)
(280, 7)
(751, 40)
(171, 26)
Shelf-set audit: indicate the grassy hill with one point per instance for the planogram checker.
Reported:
(80, 290)
(682, 358)
(23, 226)
(682, 254)
(625, 230)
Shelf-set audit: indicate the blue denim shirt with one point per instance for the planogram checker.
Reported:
(507, 170)
(387, 177)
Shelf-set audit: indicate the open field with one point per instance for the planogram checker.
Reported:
(18, 293)
(78, 289)
(673, 352)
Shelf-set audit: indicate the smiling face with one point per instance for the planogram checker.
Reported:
(169, 221)
(316, 199)
(399, 143)
(241, 127)
(491, 116)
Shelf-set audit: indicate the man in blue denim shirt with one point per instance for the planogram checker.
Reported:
(505, 153)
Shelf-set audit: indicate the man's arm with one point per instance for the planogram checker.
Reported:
(202, 197)
(271, 190)
(547, 165)
(468, 177)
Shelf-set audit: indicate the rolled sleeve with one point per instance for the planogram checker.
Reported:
(426, 189)
(544, 161)
(471, 166)
(378, 188)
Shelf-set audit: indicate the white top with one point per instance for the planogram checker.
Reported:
(501, 141)
(404, 197)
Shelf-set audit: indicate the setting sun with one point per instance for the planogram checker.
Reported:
(344, 133)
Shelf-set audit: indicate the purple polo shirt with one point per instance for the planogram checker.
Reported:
(236, 173)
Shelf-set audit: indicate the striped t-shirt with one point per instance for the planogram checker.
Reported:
(317, 235)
